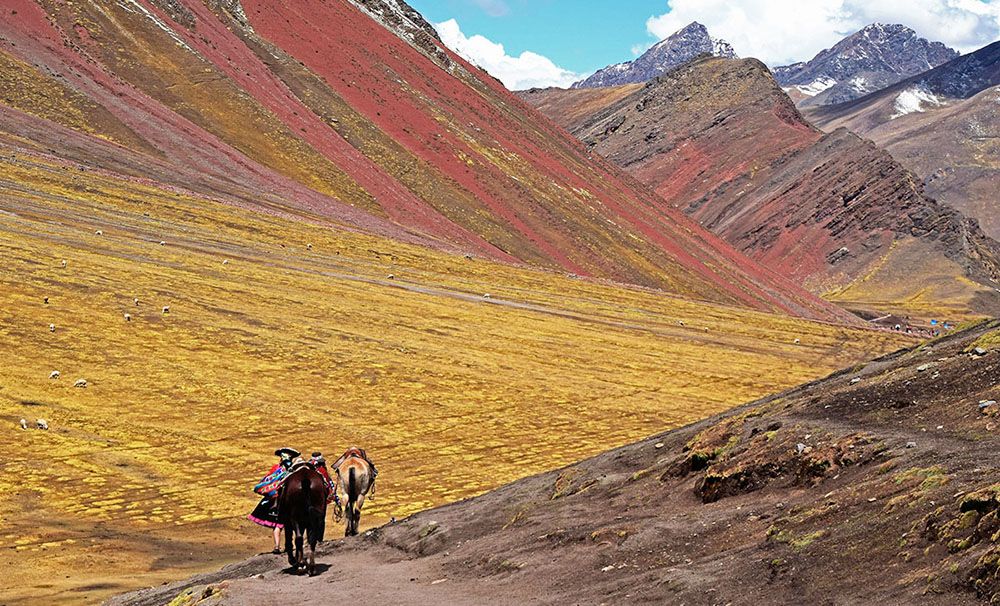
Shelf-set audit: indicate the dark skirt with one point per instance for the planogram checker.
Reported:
(266, 513)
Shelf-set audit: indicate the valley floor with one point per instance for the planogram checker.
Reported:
(878, 484)
(457, 374)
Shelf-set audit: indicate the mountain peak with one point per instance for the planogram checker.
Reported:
(874, 57)
(878, 26)
(694, 25)
(680, 47)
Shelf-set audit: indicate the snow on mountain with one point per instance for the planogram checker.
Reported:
(912, 100)
(816, 86)
(869, 60)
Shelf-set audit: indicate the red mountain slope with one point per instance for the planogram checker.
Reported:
(323, 111)
(720, 140)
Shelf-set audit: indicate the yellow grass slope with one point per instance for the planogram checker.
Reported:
(911, 281)
(145, 473)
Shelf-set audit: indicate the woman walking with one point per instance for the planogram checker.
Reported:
(266, 512)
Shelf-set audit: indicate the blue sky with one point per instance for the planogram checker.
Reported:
(529, 43)
(579, 35)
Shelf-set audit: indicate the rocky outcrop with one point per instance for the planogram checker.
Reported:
(681, 47)
(409, 24)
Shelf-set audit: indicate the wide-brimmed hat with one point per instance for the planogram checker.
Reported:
(287, 452)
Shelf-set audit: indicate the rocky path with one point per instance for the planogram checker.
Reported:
(877, 484)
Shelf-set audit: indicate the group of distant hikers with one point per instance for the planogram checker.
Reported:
(295, 492)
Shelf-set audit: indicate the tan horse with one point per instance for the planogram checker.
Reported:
(354, 481)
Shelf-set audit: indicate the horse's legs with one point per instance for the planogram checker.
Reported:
(300, 553)
(314, 534)
(289, 551)
(312, 558)
(357, 517)
(357, 512)
(349, 514)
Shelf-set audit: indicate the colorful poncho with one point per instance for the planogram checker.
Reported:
(272, 481)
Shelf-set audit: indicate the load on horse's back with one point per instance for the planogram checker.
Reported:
(302, 510)
(319, 464)
(355, 480)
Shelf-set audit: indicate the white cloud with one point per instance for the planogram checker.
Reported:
(638, 49)
(526, 70)
(784, 31)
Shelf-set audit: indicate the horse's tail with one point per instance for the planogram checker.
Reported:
(352, 488)
(306, 488)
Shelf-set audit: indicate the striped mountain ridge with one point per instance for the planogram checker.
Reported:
(719, 139)
(943, 124)
(351, 114)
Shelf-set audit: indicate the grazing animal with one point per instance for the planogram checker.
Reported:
(302, 511)
(42, 424)
(354, 481)
(128, 317)
(54, 374)
(24, 424)
(52, 327)
(80, 383)
(136, 300)
(166, 309)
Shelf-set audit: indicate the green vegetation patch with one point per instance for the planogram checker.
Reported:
(989, 340)
(928, 477)
(798, 542)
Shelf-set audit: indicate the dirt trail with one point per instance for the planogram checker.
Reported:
(878, 484)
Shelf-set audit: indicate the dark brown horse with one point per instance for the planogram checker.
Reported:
(302, 510)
